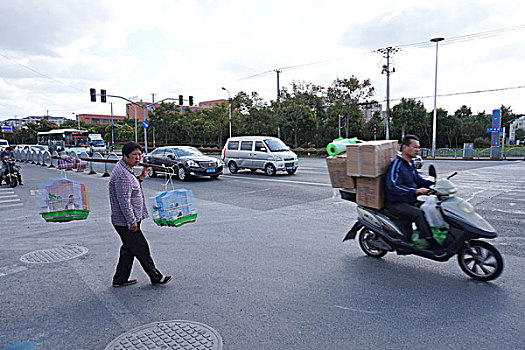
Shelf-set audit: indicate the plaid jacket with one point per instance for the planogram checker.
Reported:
(128, 204)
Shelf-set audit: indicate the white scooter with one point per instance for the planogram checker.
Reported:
(380, 232)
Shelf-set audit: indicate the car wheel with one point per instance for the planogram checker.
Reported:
(152, 173)
(232, 167)
(182, 174)
(270, 169)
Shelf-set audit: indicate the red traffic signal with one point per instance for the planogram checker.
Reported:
(180, 100)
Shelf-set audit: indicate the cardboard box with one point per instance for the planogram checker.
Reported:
(371, 191)
(370, 159)
(337, 171)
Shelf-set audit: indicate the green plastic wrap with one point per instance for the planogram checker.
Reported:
(338, 146)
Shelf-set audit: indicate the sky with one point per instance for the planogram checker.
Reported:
(52, 52)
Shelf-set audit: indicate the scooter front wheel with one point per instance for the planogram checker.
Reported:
(480, 260)
(364, 242)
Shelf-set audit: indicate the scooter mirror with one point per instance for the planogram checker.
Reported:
(432, 171)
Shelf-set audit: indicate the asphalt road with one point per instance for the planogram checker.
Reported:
(265, 266)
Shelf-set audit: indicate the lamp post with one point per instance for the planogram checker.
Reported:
(229, 108)
(434, 120)
(78, 120)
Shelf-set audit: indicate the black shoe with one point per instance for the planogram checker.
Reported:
(163, 280)
(122, 284)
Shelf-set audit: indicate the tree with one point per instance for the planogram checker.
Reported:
(410, 116)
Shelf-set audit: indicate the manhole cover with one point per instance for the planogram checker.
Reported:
(52, 255)
(169, 335)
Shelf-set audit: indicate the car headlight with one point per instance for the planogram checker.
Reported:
(278, 158)
(192, 163)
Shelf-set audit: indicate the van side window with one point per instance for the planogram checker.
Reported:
(233, 145)
(246, 145)
(259, 146)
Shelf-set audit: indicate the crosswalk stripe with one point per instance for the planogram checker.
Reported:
(11, 200)
(11, 205)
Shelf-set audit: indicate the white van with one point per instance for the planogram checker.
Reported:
(265, 153)
(96, 143)
(3, 144)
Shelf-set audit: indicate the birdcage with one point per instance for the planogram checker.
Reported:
(173, 208)
(62, 200)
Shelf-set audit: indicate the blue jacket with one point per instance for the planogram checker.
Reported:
(402, 181)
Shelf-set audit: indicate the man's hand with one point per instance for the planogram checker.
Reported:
(422, 191)
(133, 227)
(143, 174)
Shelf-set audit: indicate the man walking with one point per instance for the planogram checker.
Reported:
(128, 209)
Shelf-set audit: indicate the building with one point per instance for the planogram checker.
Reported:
(99, 118)
(140, 109)
(18, 123)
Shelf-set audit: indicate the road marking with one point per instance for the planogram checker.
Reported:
(277, 180)
(12, 205)
(356, 310)
(9, 196)
(514, 212)
(10, 200)
(8, 270)
(256, 191)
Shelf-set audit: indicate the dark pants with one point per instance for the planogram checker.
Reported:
(134, 245)
(409, 213)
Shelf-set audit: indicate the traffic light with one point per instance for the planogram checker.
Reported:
(190, 98)
(375, 129)
(93, 94)
(180, 100)
(103, 95)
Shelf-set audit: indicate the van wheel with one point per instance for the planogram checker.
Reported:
(270, 170)
(232, 167)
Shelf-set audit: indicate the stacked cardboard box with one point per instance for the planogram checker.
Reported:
(337, 170)
(366, 165)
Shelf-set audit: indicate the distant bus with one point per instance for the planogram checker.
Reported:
(65, 140)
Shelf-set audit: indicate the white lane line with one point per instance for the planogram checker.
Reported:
(514, 212)
(277, 180)
(10, 196)
(10, 200)
(355, 310)
(11, 205)
(256, 191)
(7, 270)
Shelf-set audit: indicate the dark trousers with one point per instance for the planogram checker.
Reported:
(134, 245)
(409, 213)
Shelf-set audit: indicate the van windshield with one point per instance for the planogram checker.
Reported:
(276, 145)
(3, 143)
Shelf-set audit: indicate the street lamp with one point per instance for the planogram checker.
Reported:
(78, 120)
(434, 121)
(229, 108)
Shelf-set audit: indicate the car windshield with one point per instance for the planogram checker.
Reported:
(276, 145)
(187, 151)
(3, 143)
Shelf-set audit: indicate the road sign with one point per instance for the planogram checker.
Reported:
(7, 129)
(491, 130)
(145, 124)
(496, 120)
(150, 107)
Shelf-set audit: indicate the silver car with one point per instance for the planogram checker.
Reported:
(265, 153)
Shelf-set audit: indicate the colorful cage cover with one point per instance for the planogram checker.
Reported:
(173, 208)
(69, 163)
(63, 200)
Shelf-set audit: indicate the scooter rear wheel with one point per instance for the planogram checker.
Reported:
(364, 242)
(480, 260)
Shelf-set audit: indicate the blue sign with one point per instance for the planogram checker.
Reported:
(491, 130)
(150, 107)
(7, 129)
(496, 119)
(145, 124)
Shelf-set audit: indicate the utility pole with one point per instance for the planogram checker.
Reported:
(278, 100)
(112, 138)
(387, 51)
(153, 97)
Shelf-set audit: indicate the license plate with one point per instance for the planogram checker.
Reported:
(210, 170)
(289, 167)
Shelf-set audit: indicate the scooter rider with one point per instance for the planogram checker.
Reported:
(402, 186)
(6, 153)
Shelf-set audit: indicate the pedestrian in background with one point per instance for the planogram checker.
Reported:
(128, 209)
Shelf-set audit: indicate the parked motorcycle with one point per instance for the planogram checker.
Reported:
(380, 232)
(12, 175)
